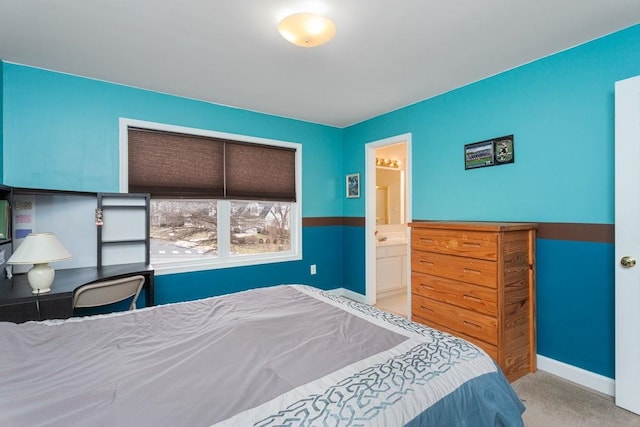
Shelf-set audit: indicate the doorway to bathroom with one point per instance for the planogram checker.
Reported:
(388, 211)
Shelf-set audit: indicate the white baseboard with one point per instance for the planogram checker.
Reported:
(344, 292)
(580, 376)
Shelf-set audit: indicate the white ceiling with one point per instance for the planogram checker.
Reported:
(386, 54)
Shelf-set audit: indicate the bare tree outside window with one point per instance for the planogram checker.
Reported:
(187, 229)
(260, 227)
(183, 229)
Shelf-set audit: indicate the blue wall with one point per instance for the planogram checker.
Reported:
(321, 246)
(69, 127)
(576, 305)
(61, 131)
(560, 110)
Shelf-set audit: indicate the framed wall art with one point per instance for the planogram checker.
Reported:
(492, 152)
(503, 150)
(353, 185)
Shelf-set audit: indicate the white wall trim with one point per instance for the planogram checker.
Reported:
(370, 207)
(344, 292)
(577, 375)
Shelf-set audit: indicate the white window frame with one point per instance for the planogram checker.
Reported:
(222, 260)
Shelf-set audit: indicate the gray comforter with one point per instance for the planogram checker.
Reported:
(286, 355)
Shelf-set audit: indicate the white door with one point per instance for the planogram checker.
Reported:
(627, 226)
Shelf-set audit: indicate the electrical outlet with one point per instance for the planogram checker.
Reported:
(313, 269)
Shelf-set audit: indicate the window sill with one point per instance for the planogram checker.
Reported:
(174, 267)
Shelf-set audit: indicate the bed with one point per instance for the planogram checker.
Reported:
(288, 355)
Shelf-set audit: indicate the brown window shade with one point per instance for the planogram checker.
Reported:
(260, 172)
(175, 165)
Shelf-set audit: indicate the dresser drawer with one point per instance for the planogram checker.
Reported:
(476, 325)
(465, 295)
(470, 270)
(482, 245)
(490, 349)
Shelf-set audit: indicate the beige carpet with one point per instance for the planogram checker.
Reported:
(554, 402)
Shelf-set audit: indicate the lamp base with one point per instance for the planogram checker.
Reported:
(40, 278)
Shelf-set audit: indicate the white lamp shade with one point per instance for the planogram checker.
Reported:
(39, 248)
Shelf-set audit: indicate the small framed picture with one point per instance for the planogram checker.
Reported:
(492, 152)
(478, 155)
(503, 148)
(353, 185)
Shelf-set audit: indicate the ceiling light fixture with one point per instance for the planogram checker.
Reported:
(307, 29)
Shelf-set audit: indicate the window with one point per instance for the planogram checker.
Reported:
(217, 200)
(187, 230)
(183, 230)
(260, 227)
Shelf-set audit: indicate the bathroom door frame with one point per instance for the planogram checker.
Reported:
(370, 213)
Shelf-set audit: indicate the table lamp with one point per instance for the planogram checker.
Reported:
(40, 249)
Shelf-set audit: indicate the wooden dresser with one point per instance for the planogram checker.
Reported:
(476, 280)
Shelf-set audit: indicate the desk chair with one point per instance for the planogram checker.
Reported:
(108, 292)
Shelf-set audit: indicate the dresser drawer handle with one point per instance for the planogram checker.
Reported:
(470, 245)
(425, 240)
(423, 308)
(470, 270)
(429, 287)
(472, 298)
(425, 262)
(467, 323)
